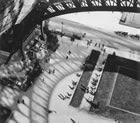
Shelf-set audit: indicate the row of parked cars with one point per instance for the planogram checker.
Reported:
(125, 34)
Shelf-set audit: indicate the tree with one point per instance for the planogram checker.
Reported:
(52, 41)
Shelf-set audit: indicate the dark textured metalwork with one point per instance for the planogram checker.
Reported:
(69, 6)
(59, 6)
(96, 2)
(111, 2)
(44, 10)
(137, 3)
(83, 3)
(77, 3)
(89, 3)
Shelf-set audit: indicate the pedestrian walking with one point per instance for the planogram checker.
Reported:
(49, 71)
(18, 101)
(104, 62)
(69, 52)
(67, 57)
(114, 53)
(23, 101)
(95, 44)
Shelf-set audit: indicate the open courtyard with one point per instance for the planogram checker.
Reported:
(118, 91)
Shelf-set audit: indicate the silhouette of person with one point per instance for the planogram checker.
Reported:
(67, 57)
(69, 52)
(18, 101)
(23, 101)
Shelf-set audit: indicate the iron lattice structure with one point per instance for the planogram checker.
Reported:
(44, 10)
(60, 7)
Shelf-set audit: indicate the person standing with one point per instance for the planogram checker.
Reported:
(67, 57)
(69, 52)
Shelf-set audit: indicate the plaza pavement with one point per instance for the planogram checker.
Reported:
(37, 98)
(44, 94)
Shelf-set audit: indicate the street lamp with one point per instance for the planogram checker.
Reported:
(62, 26)
(62, 30)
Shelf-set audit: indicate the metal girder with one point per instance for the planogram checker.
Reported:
(65, 6)
(118, 3)
(60, 7)
(77, 3)
(103, 2)
(46, 10)
(135, 3)
(89, 3)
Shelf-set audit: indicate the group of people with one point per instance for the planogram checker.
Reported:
(67, 56)
(101, 46)
(20, 101)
